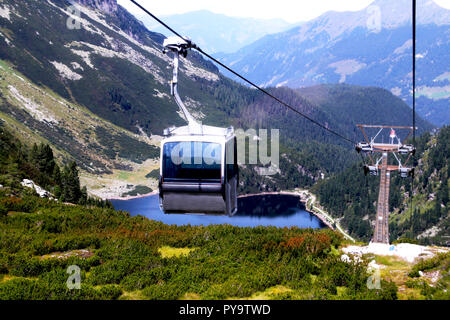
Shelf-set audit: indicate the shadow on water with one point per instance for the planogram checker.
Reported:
(270, 206)
(258, 210)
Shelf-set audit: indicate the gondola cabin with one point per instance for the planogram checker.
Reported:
(199, 172)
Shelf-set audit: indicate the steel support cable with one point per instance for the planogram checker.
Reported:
(243, 78)
(156, 18)
(365, 178)
(277, 99)
(414, 74)
(413, 105)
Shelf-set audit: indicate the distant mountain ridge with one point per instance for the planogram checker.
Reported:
(217, 32)
(352, 47)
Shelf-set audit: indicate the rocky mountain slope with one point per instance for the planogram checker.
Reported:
(40, 115)
(368, 47)
(109, 63)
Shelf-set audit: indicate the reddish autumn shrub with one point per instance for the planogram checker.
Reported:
(312, 243)
(11, 201)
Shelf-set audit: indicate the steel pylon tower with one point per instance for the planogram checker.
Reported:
(382, 168)
(381, 233)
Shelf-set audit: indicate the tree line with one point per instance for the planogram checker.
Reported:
(38, 163)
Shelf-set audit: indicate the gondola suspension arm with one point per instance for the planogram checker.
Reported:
(179, 46)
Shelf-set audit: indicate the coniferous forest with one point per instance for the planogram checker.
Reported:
(18, 162)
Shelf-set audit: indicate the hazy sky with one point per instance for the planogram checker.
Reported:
(289, 10)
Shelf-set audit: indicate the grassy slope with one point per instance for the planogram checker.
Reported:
(433, 283)
(126, 257)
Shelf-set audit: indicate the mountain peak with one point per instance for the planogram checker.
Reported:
(371, 46)
(400, 12)
(108, 6)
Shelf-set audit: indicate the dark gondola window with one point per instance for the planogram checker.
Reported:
(192, 161)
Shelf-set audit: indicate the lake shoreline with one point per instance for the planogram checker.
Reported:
(154, 192)
(322, 218)
(278, 210)
(289, 193)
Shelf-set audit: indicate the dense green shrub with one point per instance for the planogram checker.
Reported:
(110, 292)
(27, 266)
(441, 260)
(405, 240)
(389, 290)
(56, 282)
(22, 289)
(69, 243)
(164, 291)
(3, 262)
(140, 280)
(227, 261)
(112, 272)
(153, 174)
(230, 288)
(3, 210)
(414, 283)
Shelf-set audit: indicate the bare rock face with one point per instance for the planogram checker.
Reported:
(107, 6)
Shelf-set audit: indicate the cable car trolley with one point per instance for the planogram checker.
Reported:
(407, 149)
(406, 172)
(198, 169)
(372, 170)
(364, 147)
